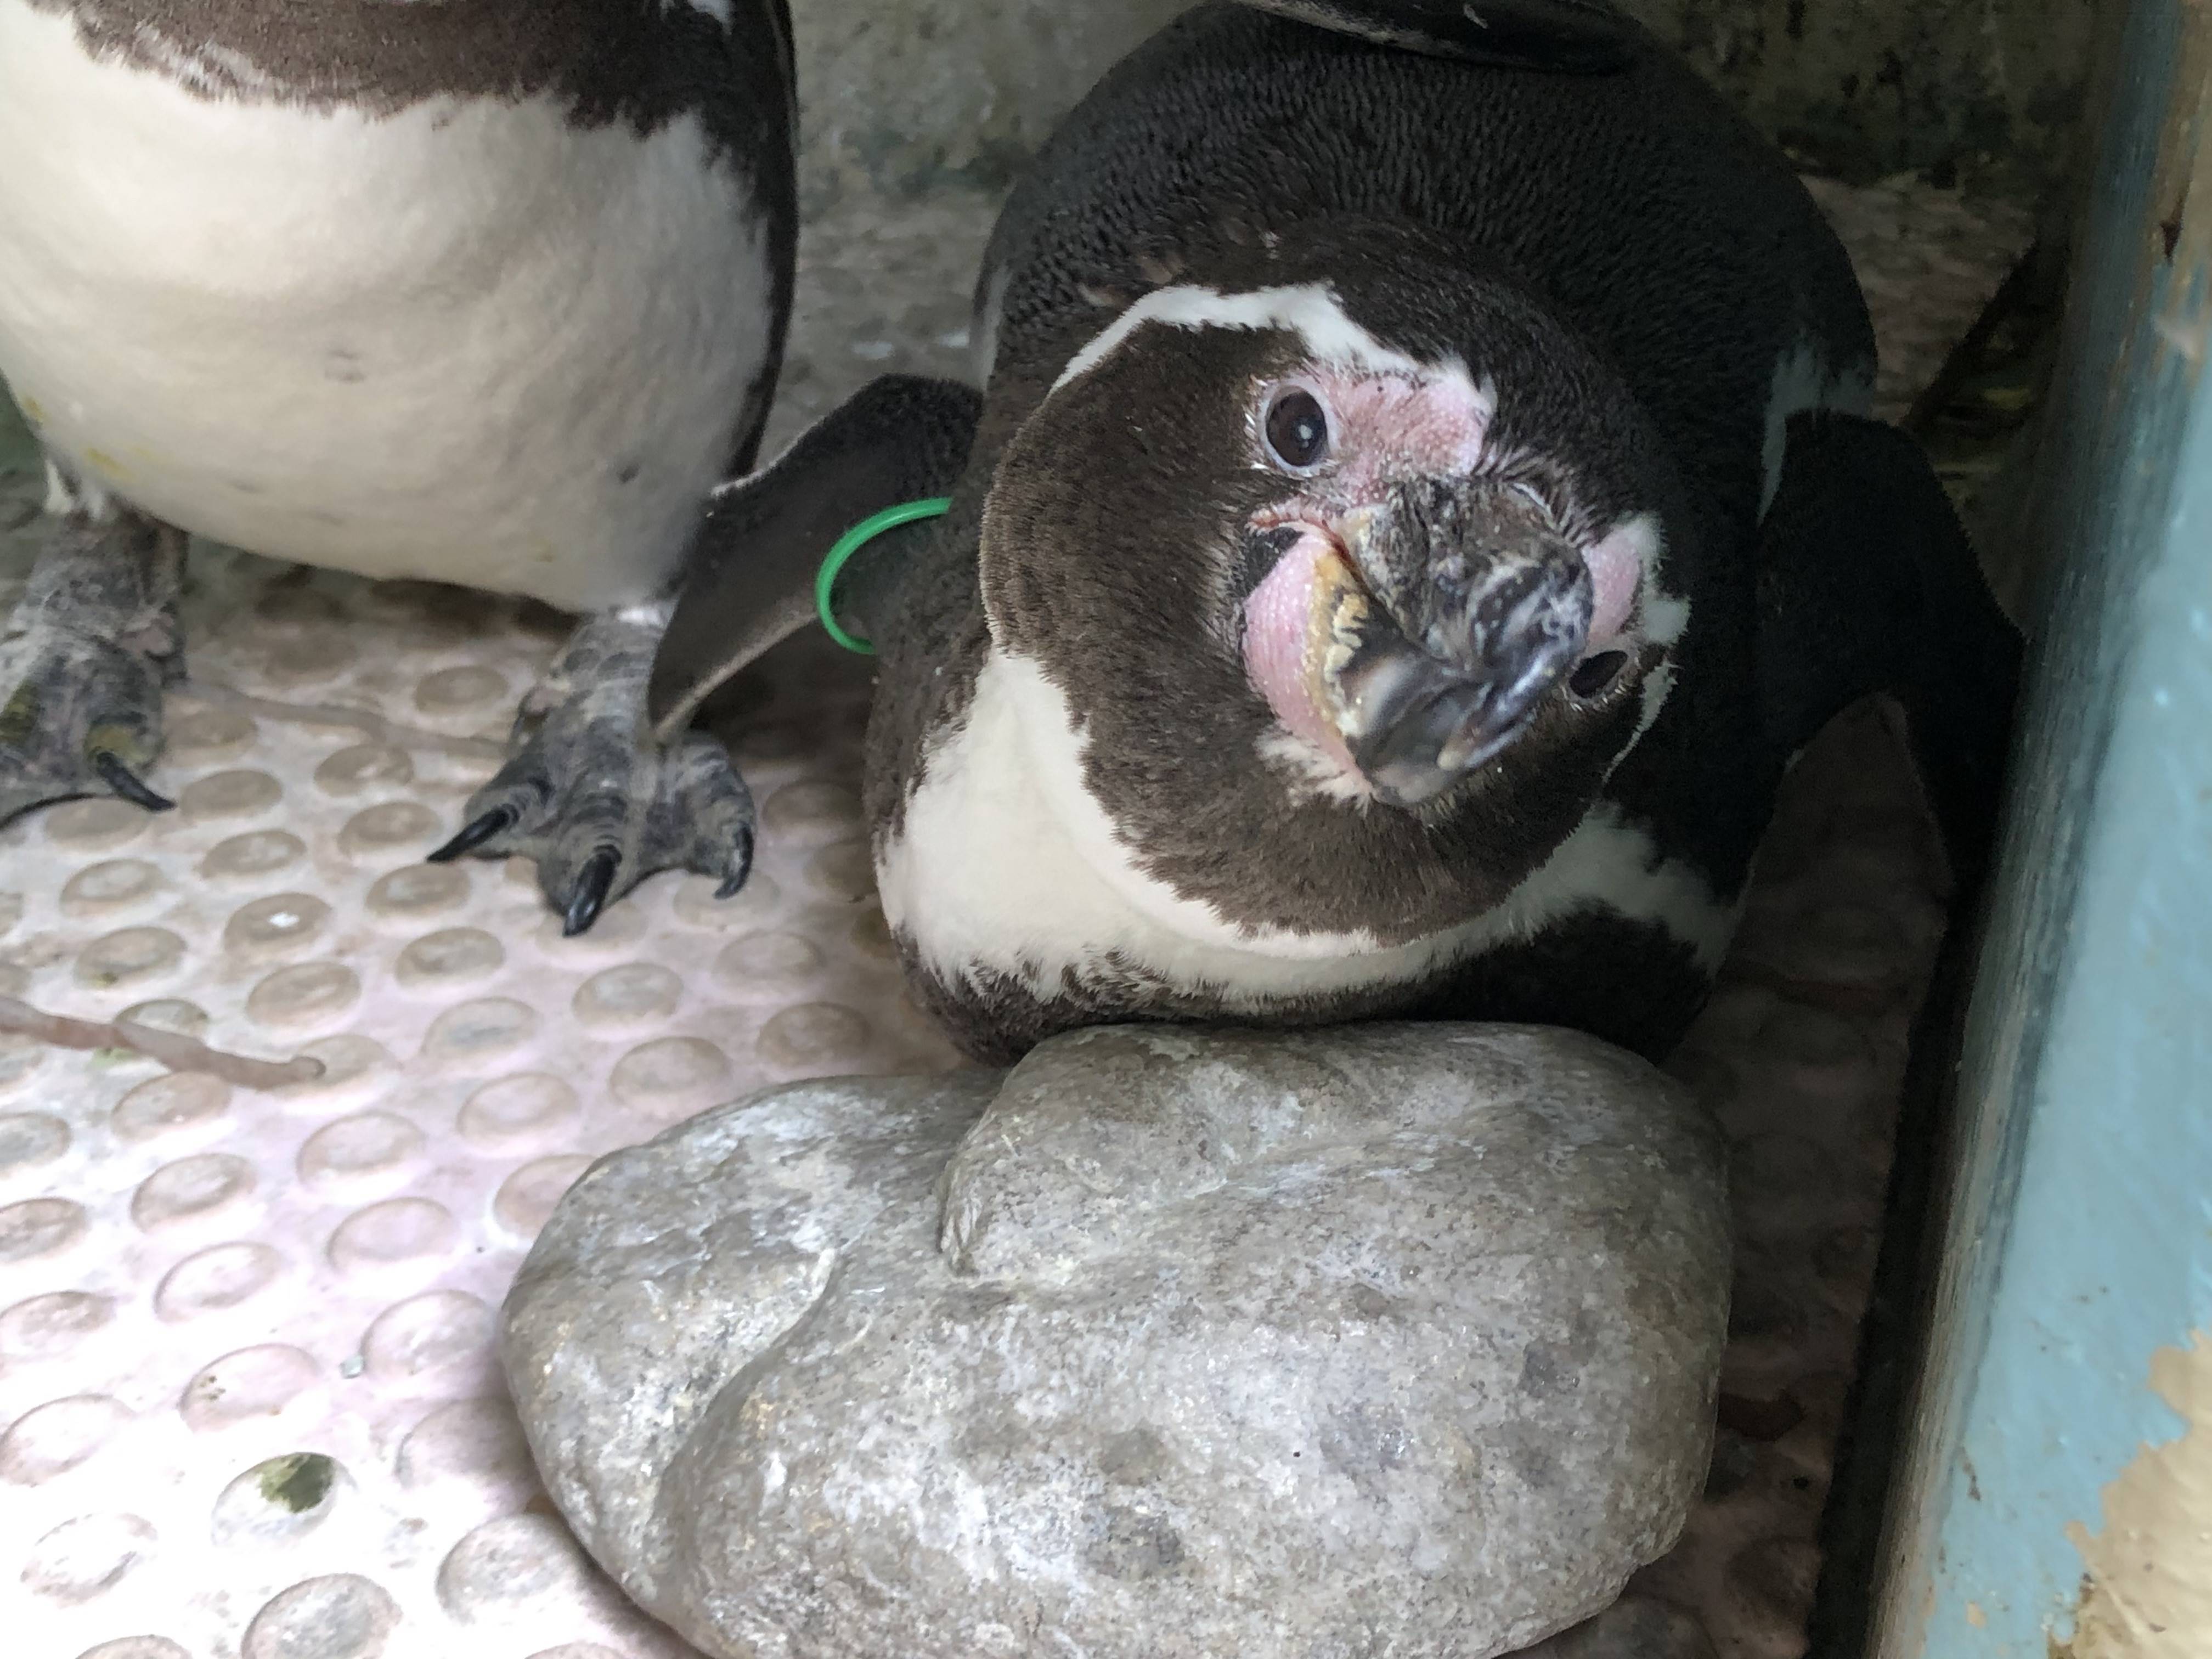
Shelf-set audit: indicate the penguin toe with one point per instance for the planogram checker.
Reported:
(600, 809)
(477, 832)
(79, 716)
(593, 883)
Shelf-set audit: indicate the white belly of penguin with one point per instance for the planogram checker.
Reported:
(465, 341)
(1005, 864)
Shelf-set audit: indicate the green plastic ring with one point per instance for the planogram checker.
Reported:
(825, 580)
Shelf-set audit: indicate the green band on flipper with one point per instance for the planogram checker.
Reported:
(825, 580)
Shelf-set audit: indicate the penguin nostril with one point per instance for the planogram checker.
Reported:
(1593, 674)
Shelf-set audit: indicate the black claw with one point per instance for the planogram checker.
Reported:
(741, 866)
(127, 783)
(474, 834)
(590, 892)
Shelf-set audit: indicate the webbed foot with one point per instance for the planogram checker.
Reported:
(593, 800)
(83, 662)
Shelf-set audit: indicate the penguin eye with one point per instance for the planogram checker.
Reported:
(1298, 429)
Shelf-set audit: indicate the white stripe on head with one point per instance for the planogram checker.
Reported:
(1804, 378)
(1310, 311)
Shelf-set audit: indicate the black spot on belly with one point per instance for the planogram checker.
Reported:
(343, 366)
(626, 472)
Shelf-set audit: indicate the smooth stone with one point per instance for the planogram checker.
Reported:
(1166, 1343)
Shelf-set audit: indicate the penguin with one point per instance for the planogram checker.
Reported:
(1420, 501)
(489, 292)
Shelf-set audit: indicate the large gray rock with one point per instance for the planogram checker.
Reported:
(1400, 1339)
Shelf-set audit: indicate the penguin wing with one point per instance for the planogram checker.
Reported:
(1587, 36)
(1868, 583)
(751, 580)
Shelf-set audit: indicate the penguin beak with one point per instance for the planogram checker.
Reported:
(1457, 605)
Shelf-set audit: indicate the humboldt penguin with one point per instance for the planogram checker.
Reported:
(490, 292)
(1418, 506)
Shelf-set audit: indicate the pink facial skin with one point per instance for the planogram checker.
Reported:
(1384, 428)
(1282, 643)
(1616, 567)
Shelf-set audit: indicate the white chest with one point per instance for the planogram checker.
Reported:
(1005, 863)
(465, 341)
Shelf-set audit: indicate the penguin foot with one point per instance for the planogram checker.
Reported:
(594, 801)
(83, 663)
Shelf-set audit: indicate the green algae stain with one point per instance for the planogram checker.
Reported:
(299, 1482)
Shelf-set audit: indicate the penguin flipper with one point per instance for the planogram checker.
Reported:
(1585, 36)
(1867, 583)
(750, 582)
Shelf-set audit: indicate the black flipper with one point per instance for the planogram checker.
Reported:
(751, 584)
(1577, 36)
(1867, 583)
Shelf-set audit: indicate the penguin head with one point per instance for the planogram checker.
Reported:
(1379, 538)
(1415, 608)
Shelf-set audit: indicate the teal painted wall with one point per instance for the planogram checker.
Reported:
(2080, 1235)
